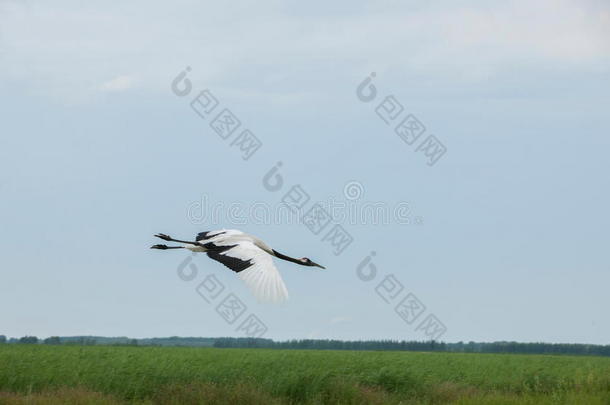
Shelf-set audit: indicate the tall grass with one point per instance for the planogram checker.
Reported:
(206, 375)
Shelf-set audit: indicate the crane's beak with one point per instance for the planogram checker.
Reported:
(317, 265)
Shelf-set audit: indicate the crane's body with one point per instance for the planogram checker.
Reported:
(247, 255)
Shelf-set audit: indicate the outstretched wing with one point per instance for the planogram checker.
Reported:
(253, 266)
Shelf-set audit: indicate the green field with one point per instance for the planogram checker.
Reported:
(40, 374)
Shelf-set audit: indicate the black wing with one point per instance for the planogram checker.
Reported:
(217, 253)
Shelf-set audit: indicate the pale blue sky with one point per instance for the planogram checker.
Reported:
(98, 154)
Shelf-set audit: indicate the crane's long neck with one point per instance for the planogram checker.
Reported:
(284, 257)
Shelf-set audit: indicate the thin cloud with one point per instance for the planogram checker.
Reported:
(119, 83)
(443, 42)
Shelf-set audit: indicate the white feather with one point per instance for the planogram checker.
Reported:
(262, 278)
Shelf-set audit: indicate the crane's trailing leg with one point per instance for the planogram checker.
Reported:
(165, 247)
(170, 239)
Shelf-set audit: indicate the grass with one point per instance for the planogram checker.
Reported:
(38, 374)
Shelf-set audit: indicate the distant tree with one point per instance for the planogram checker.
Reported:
(53, 340)
(28, 340)
(2, 339)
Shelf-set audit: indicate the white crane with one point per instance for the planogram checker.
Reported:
(246, 255)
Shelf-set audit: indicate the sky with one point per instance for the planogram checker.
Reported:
(504, 236)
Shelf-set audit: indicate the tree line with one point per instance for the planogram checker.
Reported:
(325, 344)
(420, 346)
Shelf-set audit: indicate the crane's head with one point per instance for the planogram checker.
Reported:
(307, 262)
